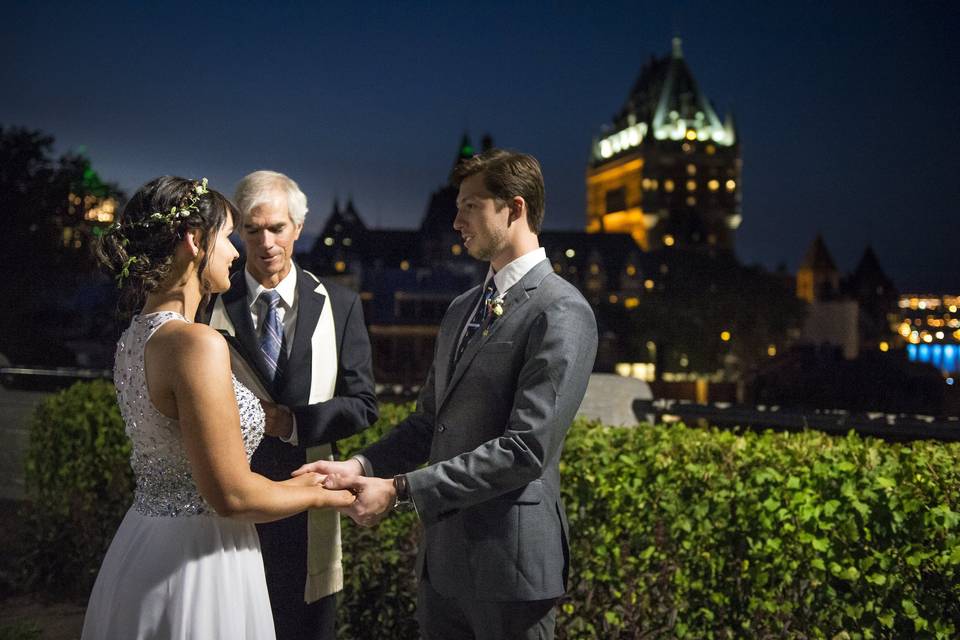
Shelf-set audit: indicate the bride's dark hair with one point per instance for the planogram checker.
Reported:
(139, 248)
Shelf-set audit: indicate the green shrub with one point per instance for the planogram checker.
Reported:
(676, 532)
(79, 485)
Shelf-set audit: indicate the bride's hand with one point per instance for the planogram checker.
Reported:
(336, 499)
(305, 480)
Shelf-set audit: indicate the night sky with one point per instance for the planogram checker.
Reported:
(848, 112)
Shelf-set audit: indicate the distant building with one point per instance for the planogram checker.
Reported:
(668, 169)
(853, 312)
(929, 326)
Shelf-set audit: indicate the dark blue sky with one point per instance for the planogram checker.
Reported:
(848, 113)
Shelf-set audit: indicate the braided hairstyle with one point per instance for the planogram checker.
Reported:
(139, 248)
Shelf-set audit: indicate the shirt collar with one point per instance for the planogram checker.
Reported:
(287, 288)
(514, 271)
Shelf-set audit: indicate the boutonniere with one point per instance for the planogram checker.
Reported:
(495, 307)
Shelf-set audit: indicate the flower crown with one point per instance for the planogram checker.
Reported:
(168, 219)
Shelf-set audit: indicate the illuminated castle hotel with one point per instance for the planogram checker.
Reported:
(668, 171)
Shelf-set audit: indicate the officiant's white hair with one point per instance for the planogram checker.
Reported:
(261, 187)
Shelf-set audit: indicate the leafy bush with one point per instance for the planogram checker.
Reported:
(680, 532)
(79, 485)
(676, 532)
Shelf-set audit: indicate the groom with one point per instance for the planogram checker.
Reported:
(510, 369)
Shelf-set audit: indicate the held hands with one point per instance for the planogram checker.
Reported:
(326, 497)
(279, 420)
(374, 497)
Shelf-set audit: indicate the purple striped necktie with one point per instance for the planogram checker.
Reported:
(271, 332)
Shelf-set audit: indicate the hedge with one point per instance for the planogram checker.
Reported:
(676, 532)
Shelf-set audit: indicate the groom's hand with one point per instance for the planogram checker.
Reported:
(348, 468)
(375, 497)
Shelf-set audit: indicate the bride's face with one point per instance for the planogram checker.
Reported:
(216, 275)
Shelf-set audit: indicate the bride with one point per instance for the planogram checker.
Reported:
(185, 562)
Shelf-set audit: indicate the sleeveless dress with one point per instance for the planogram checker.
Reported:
(175, 569)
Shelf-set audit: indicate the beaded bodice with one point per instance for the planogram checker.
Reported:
(165, 486)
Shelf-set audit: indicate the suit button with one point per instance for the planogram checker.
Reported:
(441, 428)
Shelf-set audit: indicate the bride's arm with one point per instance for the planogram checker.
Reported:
(210, 426)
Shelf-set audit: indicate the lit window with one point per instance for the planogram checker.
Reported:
(594, 269)
(347, 242)
(725, 336)
(687, 147)
(691, 169)
(404, 265)
(772, 350)
(631, 270)
(691, 185)
(711, 149)
(557, 267)
(569, 253)
(731, 185)
(340, 266)
(646, 183)
(713, 185)
(328, 241)
(613, 298)
(691, 201)
(648, 284)
(631, 303)
(668, 240)
(668, 186)
(884, 346)
(456, 249)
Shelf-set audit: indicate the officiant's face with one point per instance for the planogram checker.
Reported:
(482, 220)
(269, 235)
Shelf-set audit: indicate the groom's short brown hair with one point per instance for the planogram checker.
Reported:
(507, 174)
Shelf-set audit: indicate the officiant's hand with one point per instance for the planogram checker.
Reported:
(375, 497)
(279, 422)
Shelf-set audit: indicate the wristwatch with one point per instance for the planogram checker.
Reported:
(402, 500)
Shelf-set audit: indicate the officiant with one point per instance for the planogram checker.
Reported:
(309, 343)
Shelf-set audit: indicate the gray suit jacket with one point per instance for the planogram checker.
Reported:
(491, 427)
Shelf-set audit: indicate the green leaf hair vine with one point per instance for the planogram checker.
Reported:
(170, 219)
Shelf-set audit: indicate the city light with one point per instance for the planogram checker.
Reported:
(569, 253)
(340, 266)
(884, 346)
(725, 336)
(668, 240)
(772, 350)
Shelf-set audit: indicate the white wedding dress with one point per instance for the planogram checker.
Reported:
(175, 569)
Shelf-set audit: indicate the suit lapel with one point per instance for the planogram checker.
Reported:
(309, 306)
(238, 310)
(449, 338)
(513, 301)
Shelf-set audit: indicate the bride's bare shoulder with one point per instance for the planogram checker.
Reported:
(191, 344)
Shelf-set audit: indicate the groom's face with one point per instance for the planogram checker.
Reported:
(482, 220)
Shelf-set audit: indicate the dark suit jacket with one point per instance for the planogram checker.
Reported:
(492, 426)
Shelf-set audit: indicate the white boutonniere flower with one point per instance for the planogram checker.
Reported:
(496, 306)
